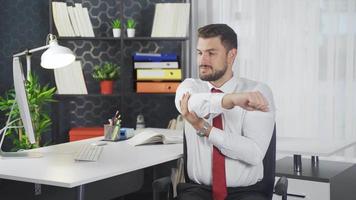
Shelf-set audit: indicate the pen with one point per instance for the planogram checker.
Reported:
(116, 123)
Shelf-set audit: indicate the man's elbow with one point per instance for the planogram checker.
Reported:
(256, 160)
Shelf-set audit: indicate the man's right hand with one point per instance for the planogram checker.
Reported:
(250, 101)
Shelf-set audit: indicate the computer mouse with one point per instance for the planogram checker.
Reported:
(99, 143)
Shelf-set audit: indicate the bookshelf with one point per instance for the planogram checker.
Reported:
(93, 109)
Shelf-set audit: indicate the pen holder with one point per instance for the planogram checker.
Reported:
(112, 132)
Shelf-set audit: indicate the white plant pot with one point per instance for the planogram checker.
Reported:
(116, 32)
(130, 32)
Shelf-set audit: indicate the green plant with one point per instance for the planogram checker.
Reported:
(108, 71)
(116, 23)
(130, 23)
(38, 99)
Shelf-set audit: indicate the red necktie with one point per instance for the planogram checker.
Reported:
(219, 176)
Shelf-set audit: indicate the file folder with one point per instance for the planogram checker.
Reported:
(156, 87)
(159, 74)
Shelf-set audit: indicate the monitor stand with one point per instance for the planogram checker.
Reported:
(18, 154)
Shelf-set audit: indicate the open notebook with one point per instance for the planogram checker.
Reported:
(156, 135)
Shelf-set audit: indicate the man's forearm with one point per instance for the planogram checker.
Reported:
(227, 101)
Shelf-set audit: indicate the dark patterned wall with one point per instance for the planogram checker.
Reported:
(25, 24)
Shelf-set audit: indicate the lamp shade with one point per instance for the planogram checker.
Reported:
(56, 56)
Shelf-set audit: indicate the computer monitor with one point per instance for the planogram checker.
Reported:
(21, 99)
(22, 102)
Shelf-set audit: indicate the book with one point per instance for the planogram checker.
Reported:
(57, 19)
(171, 20)
(159, 74)
(73, 20)
(156, 87)
(183, 20)
(70, 79)
(156, 135)
(79, 17)
(149, 65)
(85, 23)
(65, 18)
(89, 26)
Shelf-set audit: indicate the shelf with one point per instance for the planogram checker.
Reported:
(111, 95)
(88, 38)
(157, 38)
(146, 94)
(86, 95)
(127, 39)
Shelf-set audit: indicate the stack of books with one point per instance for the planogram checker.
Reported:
(171, 20)
(72, 21)
(157, 73)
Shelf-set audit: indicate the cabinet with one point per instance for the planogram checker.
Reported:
(94, 109)
(329, 180)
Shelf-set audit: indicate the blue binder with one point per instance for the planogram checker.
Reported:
(155, 57)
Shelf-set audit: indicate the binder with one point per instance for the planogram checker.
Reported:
(156, 87)
(155, 57)
(159, 74)
(148, 65)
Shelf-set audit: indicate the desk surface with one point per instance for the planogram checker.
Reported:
(58, 168)
(324, 172)
(311, 146)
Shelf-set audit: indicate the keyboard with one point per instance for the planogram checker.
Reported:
(89, 152)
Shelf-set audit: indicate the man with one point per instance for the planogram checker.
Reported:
(230, 122)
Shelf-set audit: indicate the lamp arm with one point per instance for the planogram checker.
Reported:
(31, 51)
(39, 48)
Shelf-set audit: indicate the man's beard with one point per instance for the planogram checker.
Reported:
(215, 75)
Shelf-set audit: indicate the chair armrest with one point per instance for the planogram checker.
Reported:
(281, 187)
(162, 185)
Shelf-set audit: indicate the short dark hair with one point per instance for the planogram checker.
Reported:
(227, 35)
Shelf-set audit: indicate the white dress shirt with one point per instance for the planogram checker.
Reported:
(244, 139)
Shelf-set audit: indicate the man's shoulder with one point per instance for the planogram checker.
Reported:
(193, 82)
(245, 84)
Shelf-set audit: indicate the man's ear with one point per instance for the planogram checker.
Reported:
(231, 56)
(232, 52)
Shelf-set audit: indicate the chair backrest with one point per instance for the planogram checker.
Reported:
(264, 186)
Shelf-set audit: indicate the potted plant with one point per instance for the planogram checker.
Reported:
(106, 74)
(116, 27)
(38, 98)
(130, 25)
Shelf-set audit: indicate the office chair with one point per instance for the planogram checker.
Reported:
(164, 185)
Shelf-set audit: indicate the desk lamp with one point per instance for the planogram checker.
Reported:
(54, 57)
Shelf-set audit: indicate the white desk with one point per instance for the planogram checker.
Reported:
(58, 168)
(310, 147)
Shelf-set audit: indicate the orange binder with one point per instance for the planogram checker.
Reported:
(156, 87)
(80, 133)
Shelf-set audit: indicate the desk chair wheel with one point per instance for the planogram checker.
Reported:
(281, 187)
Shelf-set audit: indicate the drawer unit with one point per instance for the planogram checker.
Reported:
(329, 180)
